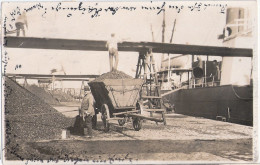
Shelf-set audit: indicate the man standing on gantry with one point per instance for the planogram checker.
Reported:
(113, 50)
(20, 22)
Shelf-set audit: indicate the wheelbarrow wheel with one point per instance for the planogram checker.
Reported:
(137, 124)
(105, 116)
(121, 122)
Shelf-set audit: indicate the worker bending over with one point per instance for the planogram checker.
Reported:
(87, 111)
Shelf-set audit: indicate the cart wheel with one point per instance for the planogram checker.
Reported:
(105, 116)
(137, 124)
(121, 122)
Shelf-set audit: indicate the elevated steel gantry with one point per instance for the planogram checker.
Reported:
(99, 45)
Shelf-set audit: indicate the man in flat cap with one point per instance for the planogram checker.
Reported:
(87, 111)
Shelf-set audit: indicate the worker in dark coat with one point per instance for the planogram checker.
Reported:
(87, 111)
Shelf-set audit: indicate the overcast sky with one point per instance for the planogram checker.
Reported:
(192, 27)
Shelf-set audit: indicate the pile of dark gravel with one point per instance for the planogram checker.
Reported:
(42, 94)
(62, 96)
(112, 75)
(28, 118)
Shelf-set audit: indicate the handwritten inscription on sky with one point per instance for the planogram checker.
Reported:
(95, 10)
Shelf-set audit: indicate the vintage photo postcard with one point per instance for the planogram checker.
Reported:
(129, 82)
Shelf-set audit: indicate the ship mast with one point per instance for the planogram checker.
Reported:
(169, 59)
(163, 31)
(152, 33)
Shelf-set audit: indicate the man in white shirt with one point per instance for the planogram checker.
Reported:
(113, 51)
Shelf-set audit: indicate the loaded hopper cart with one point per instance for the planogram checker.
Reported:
(117, 99)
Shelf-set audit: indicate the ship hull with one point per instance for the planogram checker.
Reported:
(231, 103)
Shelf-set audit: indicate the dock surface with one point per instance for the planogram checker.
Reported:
(184, 138)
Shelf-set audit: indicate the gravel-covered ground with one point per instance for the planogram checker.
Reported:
(184, 138)
(147, 150)
(179, 127)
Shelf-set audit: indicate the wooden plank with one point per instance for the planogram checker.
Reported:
(122, 113)
(154, 110)
(98, 45)
(121, 108)
(146, 117)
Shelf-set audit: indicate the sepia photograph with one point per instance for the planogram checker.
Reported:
(158, 82)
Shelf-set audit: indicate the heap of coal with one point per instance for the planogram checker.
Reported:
(62, 96)
(113, 75)
(28, 118)
(42, 94)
